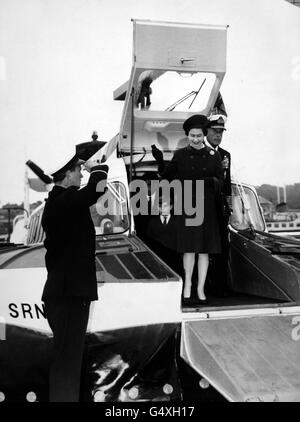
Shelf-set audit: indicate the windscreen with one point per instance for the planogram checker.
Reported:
(246, 209)
(174, 91)
(110, 213)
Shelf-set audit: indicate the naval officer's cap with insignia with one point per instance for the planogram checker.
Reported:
(217, 121)
(68, 161)
(75, 155)
(197, 121)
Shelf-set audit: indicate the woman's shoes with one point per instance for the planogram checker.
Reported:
(202, 301)
(192, 302)
(188, 301)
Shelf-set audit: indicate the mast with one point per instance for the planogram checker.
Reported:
(284, 194)
(278, 194)
(26, 198)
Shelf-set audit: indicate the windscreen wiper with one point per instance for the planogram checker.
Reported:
(181, 100)
(197, 93)
(171, 108)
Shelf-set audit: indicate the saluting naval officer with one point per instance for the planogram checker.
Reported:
(71, 282)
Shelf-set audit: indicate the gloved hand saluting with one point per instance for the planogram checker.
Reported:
(100, 167)
(95, 161)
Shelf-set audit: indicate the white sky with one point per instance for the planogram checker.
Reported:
(60, 61)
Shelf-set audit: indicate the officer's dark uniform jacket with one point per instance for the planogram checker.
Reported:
(70, 240)
(227, 180)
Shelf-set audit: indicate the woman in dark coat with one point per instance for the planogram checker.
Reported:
(192, 163)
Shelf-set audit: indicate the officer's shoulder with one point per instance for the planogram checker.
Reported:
(224, 151)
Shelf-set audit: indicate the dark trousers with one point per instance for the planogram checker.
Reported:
(68, 318)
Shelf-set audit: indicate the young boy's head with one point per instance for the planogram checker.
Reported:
(165, 206)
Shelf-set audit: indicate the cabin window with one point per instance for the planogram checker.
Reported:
(298, 224)
(110, 213)
(36, 233)
(291, 225)
(276, 225)
(174, 91)
(246, 209)
(283, 225)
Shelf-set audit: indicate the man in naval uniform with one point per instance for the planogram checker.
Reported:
(214, 139)
(71, 282)
(219, 263)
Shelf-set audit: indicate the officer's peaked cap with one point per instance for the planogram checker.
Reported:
(217, 122)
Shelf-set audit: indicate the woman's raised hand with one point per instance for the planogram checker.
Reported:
(157, 154)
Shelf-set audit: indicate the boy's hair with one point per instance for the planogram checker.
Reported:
(163, 199)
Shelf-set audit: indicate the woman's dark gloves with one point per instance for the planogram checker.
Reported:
(211, 182)
(158, 156)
